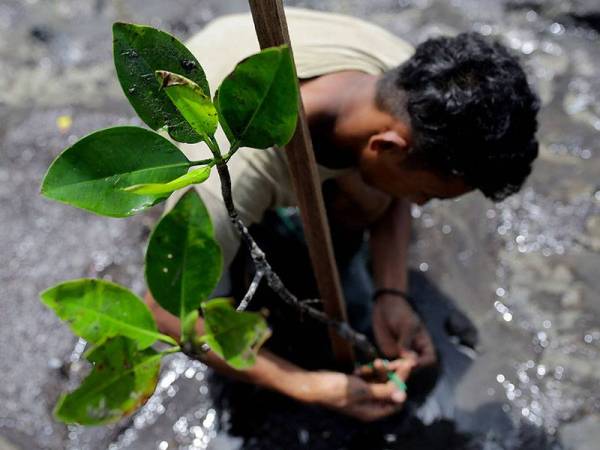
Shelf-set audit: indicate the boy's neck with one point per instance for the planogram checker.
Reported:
(341, 114)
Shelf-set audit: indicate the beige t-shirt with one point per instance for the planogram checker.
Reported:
(323, 43)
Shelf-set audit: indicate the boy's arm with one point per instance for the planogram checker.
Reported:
(348, 394)
(397, 327)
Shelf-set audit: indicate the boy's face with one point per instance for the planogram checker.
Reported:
(428, 185)
(414, 184)
(387, 164)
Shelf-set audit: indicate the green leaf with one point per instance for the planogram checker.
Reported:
(139, 51)
(234, 336)
(96, 310)
(191, 101)
(121, 381)
(93, 172)
(258, 102)
(183, 260)
(194, 177)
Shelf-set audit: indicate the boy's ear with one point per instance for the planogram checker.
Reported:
(389, 141)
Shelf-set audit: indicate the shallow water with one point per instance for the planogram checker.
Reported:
(524, 271)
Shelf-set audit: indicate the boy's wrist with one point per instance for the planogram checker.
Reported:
(301, 386)
(390, 292)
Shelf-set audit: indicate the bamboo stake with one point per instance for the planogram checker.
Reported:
(271, 29)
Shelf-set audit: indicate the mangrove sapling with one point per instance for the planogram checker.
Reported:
(121, 171)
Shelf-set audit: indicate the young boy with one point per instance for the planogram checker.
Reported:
(391, 126)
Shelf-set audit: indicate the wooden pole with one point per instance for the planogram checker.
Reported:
(271, 29)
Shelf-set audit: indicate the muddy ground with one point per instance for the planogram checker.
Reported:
(524, 271)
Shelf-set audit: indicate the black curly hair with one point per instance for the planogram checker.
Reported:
(471, 109)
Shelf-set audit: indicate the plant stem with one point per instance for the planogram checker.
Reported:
(258, 276)
(360, 341)
(201, 162)
(234, 148)
(264, 269)
(213, 145)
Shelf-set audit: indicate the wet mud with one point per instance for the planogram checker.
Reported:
(521, 277)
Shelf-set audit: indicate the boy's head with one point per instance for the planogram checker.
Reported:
(465, 118)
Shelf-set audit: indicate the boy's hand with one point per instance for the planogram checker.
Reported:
(399, 331)
(379, 370)
(366, 397)
(354, 396)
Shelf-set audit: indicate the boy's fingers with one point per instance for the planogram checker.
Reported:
(386, 392)
(380, 369)
(363, 371)
(371, 411)
(381, 391)
(425, 348)
(407, 335)
(403, 367)
(376, 370)
(386, 342)
(378, 364)
(404, 340)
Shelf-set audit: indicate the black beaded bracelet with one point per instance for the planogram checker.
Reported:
(397, 292)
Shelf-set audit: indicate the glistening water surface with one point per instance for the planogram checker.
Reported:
(525, 271)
